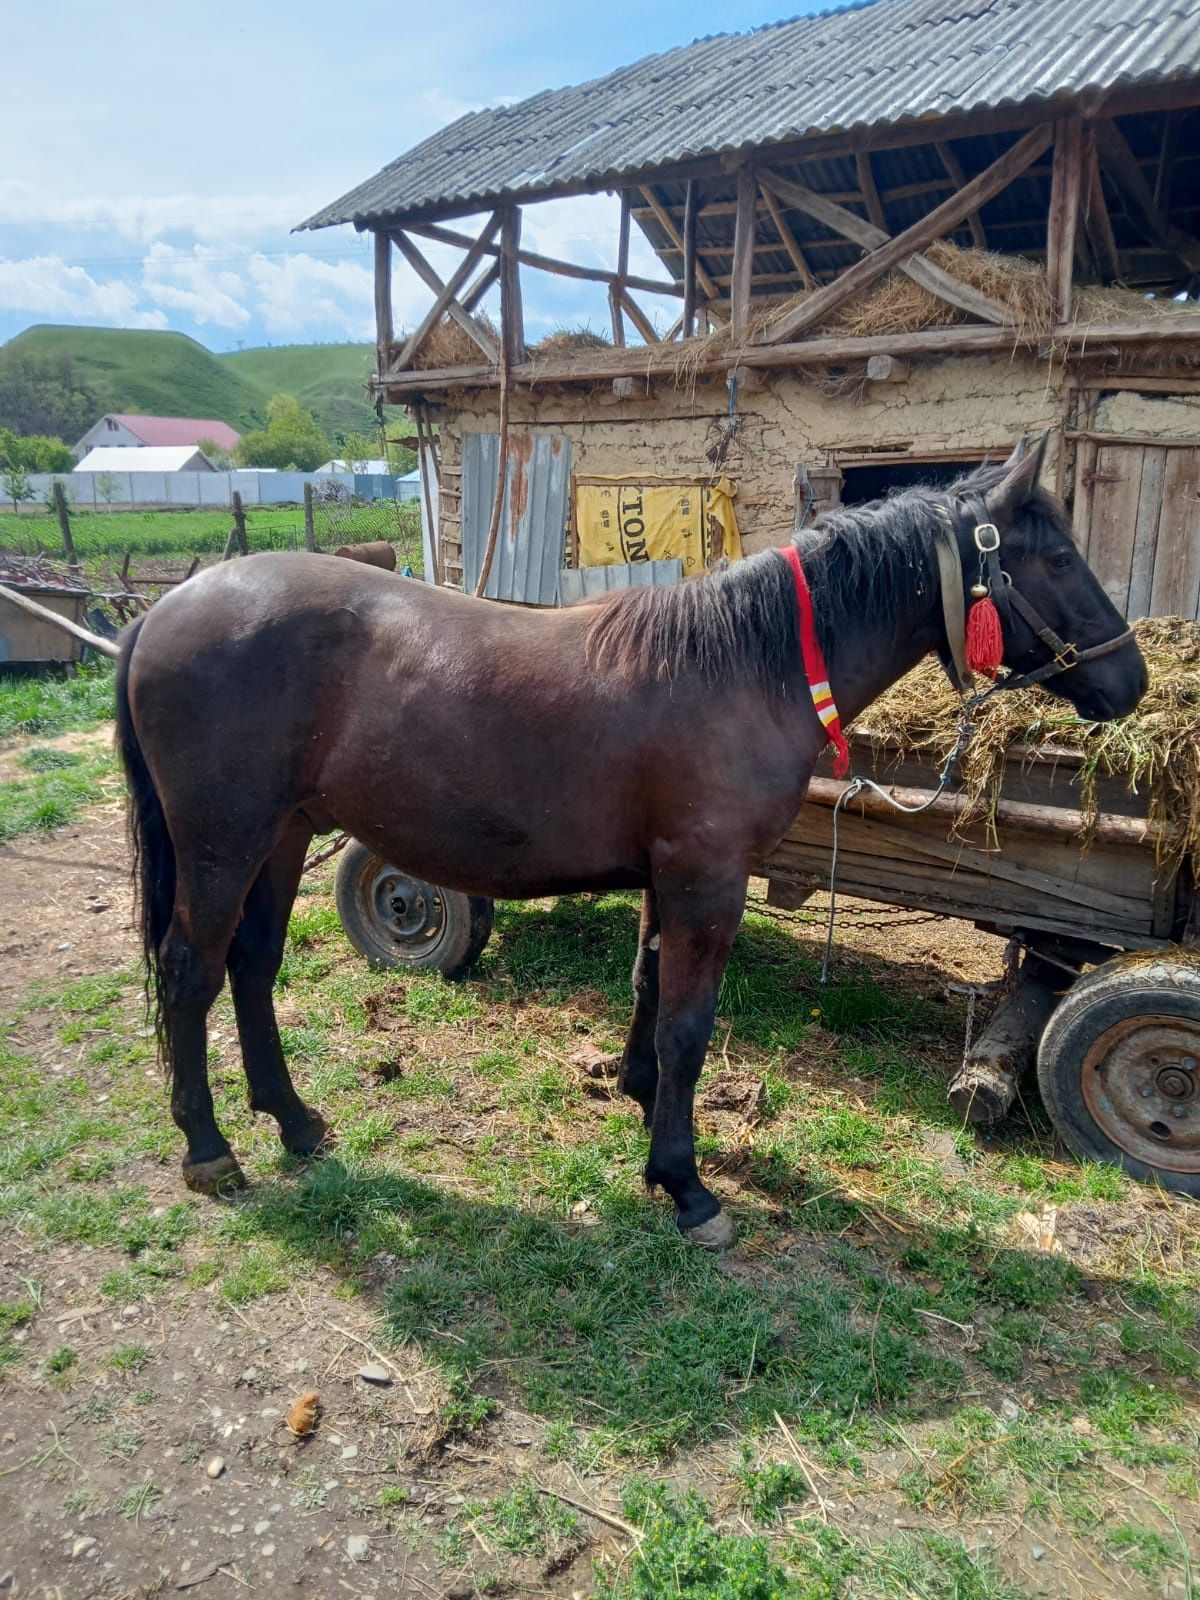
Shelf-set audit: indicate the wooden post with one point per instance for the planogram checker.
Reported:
(690, 207)
(743, 252)
(64, 523)
(616, 288)
(512, 319)
(1066, 184)
(310, 530)
(383, 300)
(236, 543)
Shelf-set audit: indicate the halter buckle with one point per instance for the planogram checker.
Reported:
(987, 538)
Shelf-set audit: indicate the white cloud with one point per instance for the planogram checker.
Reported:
(46, 286)
(194, 282)
(300, 295)
(210, 218)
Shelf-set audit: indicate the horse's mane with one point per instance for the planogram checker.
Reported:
(739, 622)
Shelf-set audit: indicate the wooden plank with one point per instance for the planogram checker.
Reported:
(788, 240)
(743, 252)
(432, 280)
(1122, 165)
(1145, 535)
(512, 315)
(689, 259)
(667, 223)
(1116, 488)
(870, 194)
(1066, 186)
(1176, 590)
(939, 221)
(958, 179)
(449, 291)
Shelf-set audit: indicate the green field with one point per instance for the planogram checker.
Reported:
(168, 374)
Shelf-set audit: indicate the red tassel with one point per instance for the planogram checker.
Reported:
(985, 639)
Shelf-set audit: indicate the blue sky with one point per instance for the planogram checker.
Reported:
(158, 154)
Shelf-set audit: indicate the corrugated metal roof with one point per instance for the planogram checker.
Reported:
(891, 61)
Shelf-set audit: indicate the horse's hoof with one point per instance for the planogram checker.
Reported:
(717, 1234)
(214, 1177)
(314, 1137)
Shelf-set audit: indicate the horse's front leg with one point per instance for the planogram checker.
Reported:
(698, 925)
(639, 1062)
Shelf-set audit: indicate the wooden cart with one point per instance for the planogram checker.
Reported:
(1116, 1037)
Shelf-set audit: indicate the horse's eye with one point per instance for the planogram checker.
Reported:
(1060, 562)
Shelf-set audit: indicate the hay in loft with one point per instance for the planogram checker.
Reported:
(564, 341)
(1156, 750)
(449, 345)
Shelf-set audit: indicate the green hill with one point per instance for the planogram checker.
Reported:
(328, 379)
(171, 375)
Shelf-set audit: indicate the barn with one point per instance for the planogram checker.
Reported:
(892, 238)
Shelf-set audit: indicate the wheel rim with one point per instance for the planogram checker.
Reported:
(409, 913)
(1141, 1083)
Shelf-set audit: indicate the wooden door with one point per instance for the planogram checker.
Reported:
(1137, 520)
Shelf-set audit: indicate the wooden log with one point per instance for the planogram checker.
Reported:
(43, 613)
(789, 241)
(689, 260)
(870, 194)
(551, 264)
(383, 298)
(449, 291)
(64, 523)
(310, 530)
(239, 523)
(667, 223)
(958, 179)
(639, 319)
(1066, 185)
(939, 221)
(1096, 216)
(743, 253)
(512, 315)
(432, 280)
(984, 1087)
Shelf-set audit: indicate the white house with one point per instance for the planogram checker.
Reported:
(126, 431)
(150, 458)
(376, 466)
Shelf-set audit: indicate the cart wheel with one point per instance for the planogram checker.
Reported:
(399, 921)
(1119, 1068)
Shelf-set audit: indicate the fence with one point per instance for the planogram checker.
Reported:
(151, 491)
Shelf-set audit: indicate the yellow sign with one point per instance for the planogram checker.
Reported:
(624, 520)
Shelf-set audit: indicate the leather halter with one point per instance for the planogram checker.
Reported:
(1009, 599)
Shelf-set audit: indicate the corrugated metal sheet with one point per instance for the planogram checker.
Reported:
(529, 545)
(581, 583)
(891, 61)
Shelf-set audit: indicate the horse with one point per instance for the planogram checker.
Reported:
(659, 740)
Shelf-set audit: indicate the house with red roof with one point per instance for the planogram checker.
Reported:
(123, 429)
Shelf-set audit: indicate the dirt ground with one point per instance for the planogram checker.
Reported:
(173, 1468)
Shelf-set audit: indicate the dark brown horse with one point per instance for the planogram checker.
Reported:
(659, 739)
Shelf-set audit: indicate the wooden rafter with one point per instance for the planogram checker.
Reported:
(667, 223)
(958, 179)
(1095, 213)
(899, 249)
(432, 280)
(788, 239)
(530, 258)
(690, 207)
(449, 291)
(1122, 166)
(919, 268)
(870, 194)
(639, 318)
(480, 287)
(1066, 188)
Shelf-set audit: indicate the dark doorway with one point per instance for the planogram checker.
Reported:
(863, 483)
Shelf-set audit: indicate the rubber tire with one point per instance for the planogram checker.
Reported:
(466, 927)
(1164, 983)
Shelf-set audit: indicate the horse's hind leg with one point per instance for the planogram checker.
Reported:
(639, 1063)
(253, 961)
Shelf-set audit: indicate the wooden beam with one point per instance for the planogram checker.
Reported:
(870, 194)
(1095, 213)
(1122, 166)
(530, 258)
(667, 223)
(432, 280)
(958, 180)
(384, 333)
(484, 282)
(743, 252)
(1066, 187)
(689, 259)
(1166, 163)
(616, 288)
(449, 291)
(919, 268)
(639, 319)
(512, 315)
(788, 239)
(902, 246)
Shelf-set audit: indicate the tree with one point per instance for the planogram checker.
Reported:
(35, 453)
(17, 486)
(357, 448)
(292, 440)
(217, 454)
(45, 393)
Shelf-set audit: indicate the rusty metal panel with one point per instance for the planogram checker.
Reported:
(582, 583)
(533, 519)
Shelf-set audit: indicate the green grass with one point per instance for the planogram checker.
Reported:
(328, 379)
(50, 705)
(57, 794)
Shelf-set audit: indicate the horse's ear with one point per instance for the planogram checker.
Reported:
(1022, 471)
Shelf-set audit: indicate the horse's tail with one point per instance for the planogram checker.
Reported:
(152, 852)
